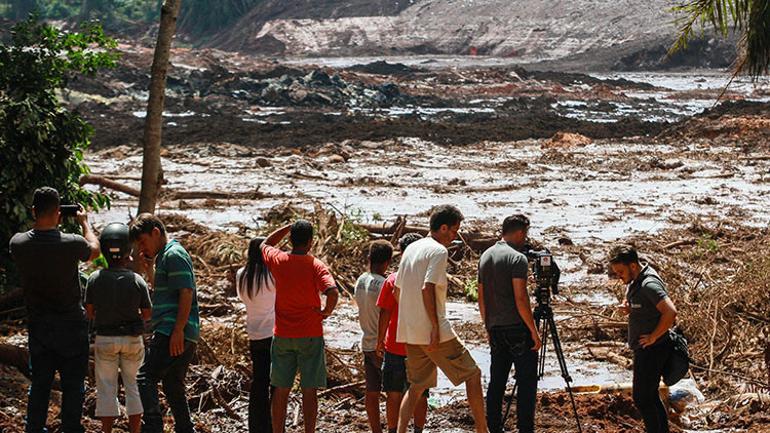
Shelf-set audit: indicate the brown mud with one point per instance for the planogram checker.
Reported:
(250, 145)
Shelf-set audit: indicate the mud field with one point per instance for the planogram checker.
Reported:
(365, 148)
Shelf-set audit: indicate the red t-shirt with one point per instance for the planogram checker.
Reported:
(299, 282)
(387, 301)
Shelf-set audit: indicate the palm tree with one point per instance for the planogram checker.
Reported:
(749, 17)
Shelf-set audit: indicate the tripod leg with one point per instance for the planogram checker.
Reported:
(563, 367)
(544, 341)
(510, 401)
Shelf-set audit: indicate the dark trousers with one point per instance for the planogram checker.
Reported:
(259, 394)
(62, 347)
(160, 366)
(512, 346)
(648, 369)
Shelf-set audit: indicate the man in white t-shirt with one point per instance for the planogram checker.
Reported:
(423, 326)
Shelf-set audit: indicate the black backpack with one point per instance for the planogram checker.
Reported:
(678, 363)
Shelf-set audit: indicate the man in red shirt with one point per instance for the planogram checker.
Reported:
(394, 381)
(298, 344)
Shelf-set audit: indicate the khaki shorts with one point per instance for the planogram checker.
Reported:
(450, 356)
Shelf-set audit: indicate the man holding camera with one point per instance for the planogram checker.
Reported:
(507, 314)
(650, 315)
(47, 260)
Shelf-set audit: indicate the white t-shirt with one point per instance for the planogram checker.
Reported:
(260, 310)
(368, 288)
(425, 261)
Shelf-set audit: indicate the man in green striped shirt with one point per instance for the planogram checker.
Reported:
(175, 323)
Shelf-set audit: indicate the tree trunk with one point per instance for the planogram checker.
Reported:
(152, 172)
(22, 8)
(85, 10)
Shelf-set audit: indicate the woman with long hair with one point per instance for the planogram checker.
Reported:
(256, 288)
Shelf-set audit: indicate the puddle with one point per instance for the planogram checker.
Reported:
(143, 114)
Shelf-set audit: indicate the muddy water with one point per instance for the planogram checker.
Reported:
(602, 191)
(342, 331)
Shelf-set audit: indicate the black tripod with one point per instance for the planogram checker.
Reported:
(544, 315)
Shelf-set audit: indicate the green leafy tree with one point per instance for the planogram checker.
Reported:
(749, 17)
(41, 141)
(206, 17)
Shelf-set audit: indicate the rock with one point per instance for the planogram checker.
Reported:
(263, 162)
(336, 159)
(566, 140)
(668, 164)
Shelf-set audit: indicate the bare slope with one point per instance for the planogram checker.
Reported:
(528, 30)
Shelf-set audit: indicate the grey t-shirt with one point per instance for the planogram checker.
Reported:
(368, 289)
(498, 266)
(48, 268)
(117, 296)
(643, 296)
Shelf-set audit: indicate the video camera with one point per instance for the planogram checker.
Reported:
(546, 273)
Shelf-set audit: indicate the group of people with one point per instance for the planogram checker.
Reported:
(406, 334)
(118, 303)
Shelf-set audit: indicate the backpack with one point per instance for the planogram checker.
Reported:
(678, 363)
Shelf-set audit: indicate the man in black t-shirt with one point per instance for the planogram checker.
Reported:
(505, 308)
(651, 314)
(47, 260)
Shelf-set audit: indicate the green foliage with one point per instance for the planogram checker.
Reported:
(109, 12)
(750, 17)
(707, 245)
(471, 290)
(197, 17)
(350, 232)
(41, 142)
(205, 16)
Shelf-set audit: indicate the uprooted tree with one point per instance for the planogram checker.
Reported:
(41, 141)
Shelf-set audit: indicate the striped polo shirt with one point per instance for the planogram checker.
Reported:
(173, 272)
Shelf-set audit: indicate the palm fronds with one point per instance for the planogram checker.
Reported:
(749, 17)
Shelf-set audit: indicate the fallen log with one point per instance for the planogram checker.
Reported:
(12, 299)
(476, 241)
(345, 387)
(679, 244)
(107, 183)
(15, 356)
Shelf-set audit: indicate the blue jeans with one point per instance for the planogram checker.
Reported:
(62, 347)
(160, 366)
(512, 347)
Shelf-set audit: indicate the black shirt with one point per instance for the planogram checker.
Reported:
(498, 266)
(117, 295)
(48, 267)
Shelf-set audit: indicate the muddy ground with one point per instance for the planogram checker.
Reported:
(250, 144)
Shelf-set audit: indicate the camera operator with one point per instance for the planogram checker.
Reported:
(47, 260)
(507, 315)
(651, 315)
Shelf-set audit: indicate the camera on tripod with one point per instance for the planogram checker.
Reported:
(546, 273)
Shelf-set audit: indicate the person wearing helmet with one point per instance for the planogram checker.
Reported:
(118, 301)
